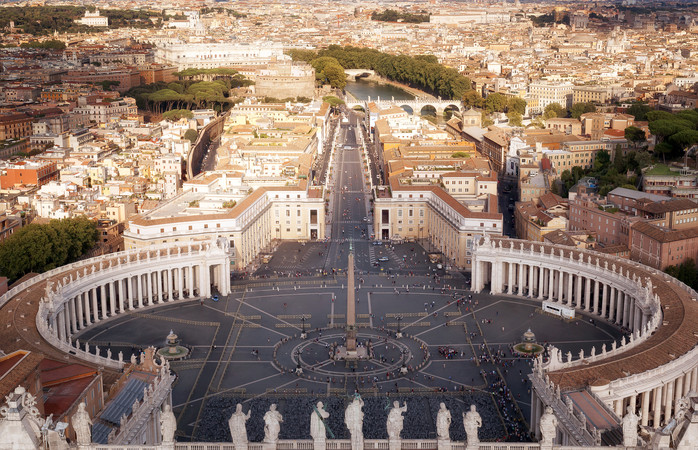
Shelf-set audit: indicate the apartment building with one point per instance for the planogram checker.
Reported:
(594, 214)
(15, 126)
(426, 211)
(543, 94)
(660, 247)
(28, 172)
(666, 182)
(215, 205)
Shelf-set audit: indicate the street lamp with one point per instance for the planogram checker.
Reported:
(398, 335)
(299, 369)
(303, 333)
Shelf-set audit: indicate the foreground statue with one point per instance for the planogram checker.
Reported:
(272, 425)
(472, 422)
(168, 424)
(548, 427)
(395, 421)
(317, 426)
(354, 419)
(238, 430)
(82, 424)
(443, 423)
(630, 428)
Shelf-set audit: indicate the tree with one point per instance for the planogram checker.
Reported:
(334, 75)
(176, 114)
(37, 248)
(635, 135)
(517, 104)
(554, 110)
(191, 134)
(618, 160)
(495, 103)
(581, 108)
(639, 111)
(514, 118)
(473, 99)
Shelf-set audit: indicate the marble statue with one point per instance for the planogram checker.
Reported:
(548, 427)
(443, 422)
(238, 431)
(629, 422)
(317, 425)
(354, 419)
(272, 425)
(471, 422)
(395, 420)
(82, 424)
(168, 424)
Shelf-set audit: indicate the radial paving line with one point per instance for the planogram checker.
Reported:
(229, 349)
(196, 381)
(175, 319)
(232, 327)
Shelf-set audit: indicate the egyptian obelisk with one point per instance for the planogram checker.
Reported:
(351, 307)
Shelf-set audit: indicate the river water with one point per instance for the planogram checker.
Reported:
(364, 89)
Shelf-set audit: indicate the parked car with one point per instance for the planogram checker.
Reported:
(377, 242)
(383, 259)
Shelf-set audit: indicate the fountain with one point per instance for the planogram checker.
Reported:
(173, 350)
(528, 346)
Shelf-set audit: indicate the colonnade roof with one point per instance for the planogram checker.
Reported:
(674, 338)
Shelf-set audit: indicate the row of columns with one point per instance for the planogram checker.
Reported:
(146, 289)
(657, 406)
(552, 284)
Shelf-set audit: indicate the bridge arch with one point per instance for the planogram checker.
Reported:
(428, 110)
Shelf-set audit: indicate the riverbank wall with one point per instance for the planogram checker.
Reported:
(413, 91)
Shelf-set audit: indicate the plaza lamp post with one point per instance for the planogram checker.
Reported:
(299, 369)
(303, 333)
(398, 335)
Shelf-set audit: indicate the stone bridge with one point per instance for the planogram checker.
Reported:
(353, 73)
(415, 106)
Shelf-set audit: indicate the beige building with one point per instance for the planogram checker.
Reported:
(219, 206)
(427, 211)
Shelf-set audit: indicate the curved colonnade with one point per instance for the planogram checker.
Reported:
(77, 295)
(649, 373)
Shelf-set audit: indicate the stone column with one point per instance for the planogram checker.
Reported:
(637, 316)
(73, 315)
(579, 301)
(520, 283)
(644, 320)
(510, 279)
(694, 379)
(95, 309)
(626, 311)
(180, 282)
(531, 280)
(88, 312)
(560, 285)
(596, 297)
(551, 284)
(541, 282)
(149, 288)
(112, 298)
(570, 288)
(604, 300)
(80, 317)
(139, 282)
(633, 403)
(644, 417)
(158, 284)
(190, 280)
(657, 406)
(669, 400)
(534, 410)
(679, 389)
(687, 383)
(618, 407)
(587, 294)
(103, 293)
(612, 305)
(59, 326)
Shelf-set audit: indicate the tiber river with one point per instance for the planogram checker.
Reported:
(362, 89)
